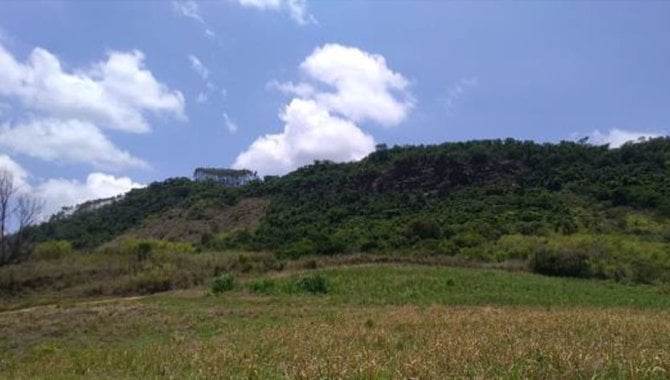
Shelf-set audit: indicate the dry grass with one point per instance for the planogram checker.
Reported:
(86, 276)
(187, 225)
(241, 336)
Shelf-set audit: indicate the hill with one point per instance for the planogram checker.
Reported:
(566, 209)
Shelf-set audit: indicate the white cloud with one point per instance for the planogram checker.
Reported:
(319, 124)
(58, 193)
(202, 98)
(230, 125)
(19, 174)
(4, 108)
(310, 133)
(456, 92)
(302, 90)
(190, 9)
(262, 4)
(365, 88)
(116, 93)
(70, 141)
(617, 137)
(68, 108)
(203, 73)
(297, 9)
(198, 67)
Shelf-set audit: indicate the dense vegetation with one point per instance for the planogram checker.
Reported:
(566, 209)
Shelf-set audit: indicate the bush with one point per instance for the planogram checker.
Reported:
(143, 248)
(329, 244)
(52, 250)
(297, 249)
(313, 284)
(222, 284)
(425, 229)
(518, 246)
(148, 282)
(566, 262)
(264, 286)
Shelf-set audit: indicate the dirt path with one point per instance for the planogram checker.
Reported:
(74, 304)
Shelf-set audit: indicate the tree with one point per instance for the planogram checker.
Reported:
(17, 211)
(27, 212)
(7, 191)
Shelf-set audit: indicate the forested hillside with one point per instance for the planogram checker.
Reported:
(566, 209)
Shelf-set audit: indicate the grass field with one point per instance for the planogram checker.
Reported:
(375, 321)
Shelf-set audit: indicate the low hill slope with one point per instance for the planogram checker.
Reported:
(586, 210)
(199, 223)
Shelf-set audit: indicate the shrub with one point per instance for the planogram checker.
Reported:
(562, 262)
(263, 286)
(148, 282)
(297, 249)
(329, 244)
(52, 250)
(425, 229)
(313, 284)
(143, 248)
(310, 264)
(645, 270)
(222, 284)
(518, 246)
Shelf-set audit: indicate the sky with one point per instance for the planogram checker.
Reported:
(100, 97)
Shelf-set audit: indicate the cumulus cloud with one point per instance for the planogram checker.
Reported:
(69, 108)
(310, 133)
(58, 193)
(115, 93)
(617, 137)
(321, 123)
(296, 9)
(70, 141)
(19, 174)
(4, 108)
(365, 88)
(303, 90)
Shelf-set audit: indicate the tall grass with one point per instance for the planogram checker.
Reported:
(125, 271)
(308, 338)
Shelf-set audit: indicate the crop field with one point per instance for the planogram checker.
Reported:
(367, 322)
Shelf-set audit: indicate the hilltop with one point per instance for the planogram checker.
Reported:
(565, 209)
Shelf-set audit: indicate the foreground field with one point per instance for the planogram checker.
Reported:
(374, 322)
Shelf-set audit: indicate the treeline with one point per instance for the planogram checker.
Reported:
(462, 193)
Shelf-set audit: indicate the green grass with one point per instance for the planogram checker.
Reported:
(372, 322)
(418, 285)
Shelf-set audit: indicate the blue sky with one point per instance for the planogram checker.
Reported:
(99, 97)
